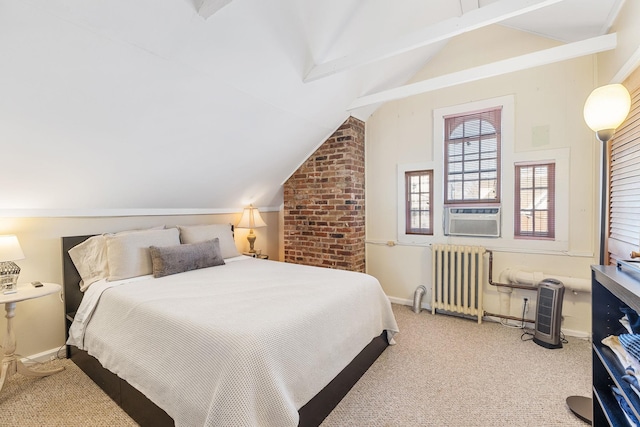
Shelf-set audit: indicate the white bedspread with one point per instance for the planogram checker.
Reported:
(244, 344)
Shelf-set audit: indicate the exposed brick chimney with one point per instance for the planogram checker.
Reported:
(324, 204)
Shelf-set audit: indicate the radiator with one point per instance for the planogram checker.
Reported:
(457, 279)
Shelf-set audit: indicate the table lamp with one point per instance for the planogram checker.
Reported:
(251, 219)
(10, 251)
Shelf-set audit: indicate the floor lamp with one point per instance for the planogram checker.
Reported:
(605, 109)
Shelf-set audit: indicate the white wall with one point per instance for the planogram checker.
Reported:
(548, 105)
(39, 324)
(616, 65)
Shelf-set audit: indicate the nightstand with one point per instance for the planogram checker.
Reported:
(256, 255)
(10, 363)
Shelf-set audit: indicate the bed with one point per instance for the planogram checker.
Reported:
(242, 342)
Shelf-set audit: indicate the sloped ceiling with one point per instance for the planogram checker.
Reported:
(147, 104)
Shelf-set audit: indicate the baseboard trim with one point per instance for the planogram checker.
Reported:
(425, 306)
(577, 334)
(44, 356)
(408, 302)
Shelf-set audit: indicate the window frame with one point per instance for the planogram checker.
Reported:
(518, 233)
(492, 115)
(510, 154)
(408, 202)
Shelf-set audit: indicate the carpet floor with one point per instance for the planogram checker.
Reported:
(443, 371)
(448, 371)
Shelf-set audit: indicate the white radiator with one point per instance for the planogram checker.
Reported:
(457, 276)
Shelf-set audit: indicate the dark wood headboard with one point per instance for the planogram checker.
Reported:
(70, 276)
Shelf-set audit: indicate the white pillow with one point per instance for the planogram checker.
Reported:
(90, 259)
(201, 233)
(128, 254)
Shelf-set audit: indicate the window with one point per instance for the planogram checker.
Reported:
(506, 190)
(472, 157)
(419, 189)
(535, 200)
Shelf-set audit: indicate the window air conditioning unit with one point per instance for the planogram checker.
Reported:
(476, 222)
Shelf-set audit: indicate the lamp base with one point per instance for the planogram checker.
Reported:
(8, 283)
(9, 272)
(252, 239)
(582, 407)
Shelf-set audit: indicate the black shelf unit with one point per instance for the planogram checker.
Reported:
(612, 288)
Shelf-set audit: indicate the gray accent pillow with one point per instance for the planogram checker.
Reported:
(168, 260)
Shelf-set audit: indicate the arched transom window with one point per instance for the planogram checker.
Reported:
(472, 157)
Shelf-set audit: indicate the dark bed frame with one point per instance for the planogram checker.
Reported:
(146, 413)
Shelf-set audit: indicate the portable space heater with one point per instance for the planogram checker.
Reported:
(549, 313)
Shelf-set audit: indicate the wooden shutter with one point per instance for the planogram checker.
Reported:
(624, 185)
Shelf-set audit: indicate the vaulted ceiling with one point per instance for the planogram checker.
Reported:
(212, 104)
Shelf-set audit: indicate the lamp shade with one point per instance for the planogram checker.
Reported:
(10, 249)
(251, 218)
(607, 107)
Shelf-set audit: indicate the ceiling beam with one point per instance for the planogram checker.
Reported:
(472, 20)
(517, 63)
(627, 68)
(206, 8)
(468, 5)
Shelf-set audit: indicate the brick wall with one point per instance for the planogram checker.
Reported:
(324, 204)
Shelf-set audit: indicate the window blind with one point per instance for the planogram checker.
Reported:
(535, 200)
(419, 190)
